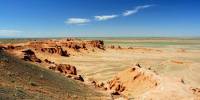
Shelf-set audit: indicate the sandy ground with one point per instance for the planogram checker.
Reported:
(103, 65)
(177, 63)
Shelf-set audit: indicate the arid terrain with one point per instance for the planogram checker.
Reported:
(101, 68)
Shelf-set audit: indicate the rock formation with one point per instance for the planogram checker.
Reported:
(60, 47)
(116, 85)
(112, 47)
(29, 55)
(133, 80)
(196, 91)
(97, 43)
(11, 47)
(2, 48)
(55, 50)
(78, 77)
(119, 47)
(64, 68)
(48, 62)
(67, 69)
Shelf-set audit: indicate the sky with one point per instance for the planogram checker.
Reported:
(99, 18)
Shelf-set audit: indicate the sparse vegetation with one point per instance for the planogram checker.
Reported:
(33, 83)
(94, 60)
(26, 75)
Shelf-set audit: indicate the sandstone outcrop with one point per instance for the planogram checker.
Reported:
(55, 47)
(119, 47)
(2, 48)
(69, 39)
(132, 80)
(48, 62)
(116, 85)
(11, 47)
(196, 91)
(76, 46)
(29, 55)
(67, 69)
(78, 77)
(64, 68)
(97, 43)
(112, 47)
(60, 47)
(55, 50)
(99, 85)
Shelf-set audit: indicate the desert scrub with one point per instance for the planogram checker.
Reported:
(20, 93)
(32, 83)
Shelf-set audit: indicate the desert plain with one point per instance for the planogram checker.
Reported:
(121, 68)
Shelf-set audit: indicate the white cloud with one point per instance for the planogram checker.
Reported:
(134, 11)
(77, 21)
(82, 21)
(10, 31)
(4, 32)
(105, 17)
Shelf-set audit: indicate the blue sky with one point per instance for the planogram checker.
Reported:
(99, 18)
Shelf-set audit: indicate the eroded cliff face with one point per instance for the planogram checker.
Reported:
(69, 44)
(135, 80)
(138, 82)
(55, 50)
(56, 47)
(144, 84)
(20, 80)
(29, 55)
(32, 51)
(132, 81)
